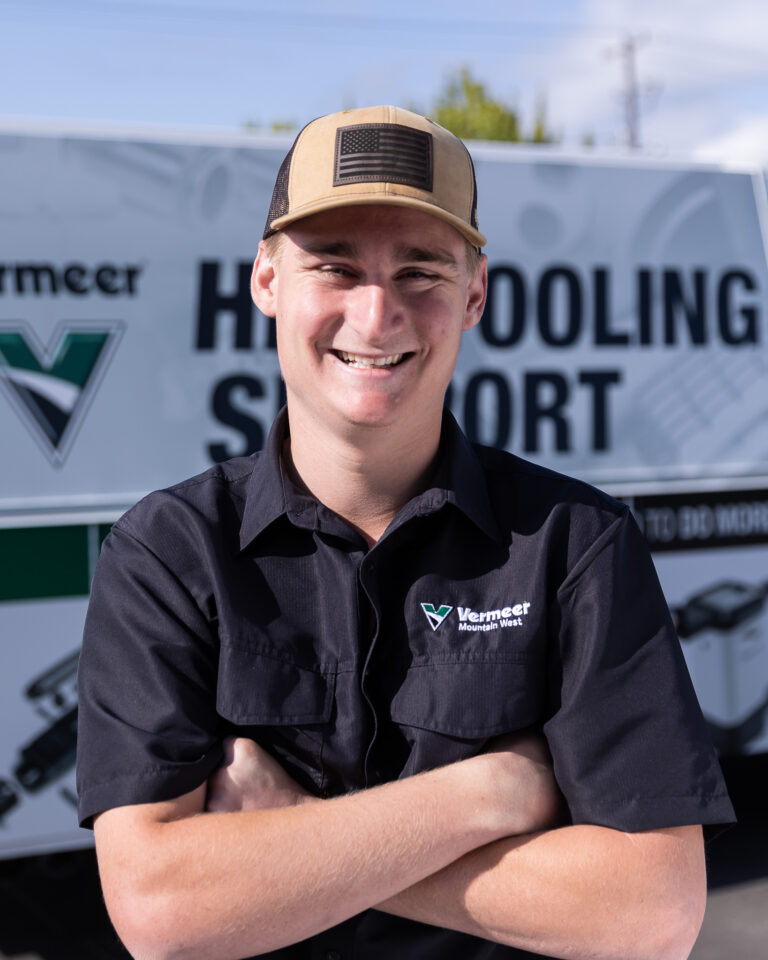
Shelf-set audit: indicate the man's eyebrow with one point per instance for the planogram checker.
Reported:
(404, 253)
(329, 248)
(410, 254)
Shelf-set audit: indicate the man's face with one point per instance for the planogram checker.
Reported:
(371, 302)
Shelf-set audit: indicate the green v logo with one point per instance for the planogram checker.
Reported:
(51, 387)
(435, 617)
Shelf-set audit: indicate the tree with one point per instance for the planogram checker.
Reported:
(276, 126)
(467, 109)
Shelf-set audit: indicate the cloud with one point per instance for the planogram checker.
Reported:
(701, 67)
(746, 142)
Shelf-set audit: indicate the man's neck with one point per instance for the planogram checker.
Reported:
(365, 475)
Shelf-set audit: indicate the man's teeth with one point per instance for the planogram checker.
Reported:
(354, 360)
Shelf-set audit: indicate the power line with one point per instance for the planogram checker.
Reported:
(303, 20)
(330, 20)
(693, 47)
(327, 20)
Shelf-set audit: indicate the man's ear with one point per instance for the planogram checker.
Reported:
(264, 282)
(477, 291)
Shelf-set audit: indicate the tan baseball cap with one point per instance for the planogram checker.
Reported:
(376, 155)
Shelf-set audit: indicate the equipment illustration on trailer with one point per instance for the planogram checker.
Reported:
(8, 797)
(724, 634)
(51, 753)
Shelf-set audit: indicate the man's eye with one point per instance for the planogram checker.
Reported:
(336, 269)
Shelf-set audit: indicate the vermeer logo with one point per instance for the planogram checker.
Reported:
(474, 620)
(51, 387)
(435, 617)
(511, 616)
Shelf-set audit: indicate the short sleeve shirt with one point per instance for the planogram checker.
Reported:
(505, 596)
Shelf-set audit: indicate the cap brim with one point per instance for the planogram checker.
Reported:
(469, 233)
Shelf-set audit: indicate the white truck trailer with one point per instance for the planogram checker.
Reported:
(624, 342)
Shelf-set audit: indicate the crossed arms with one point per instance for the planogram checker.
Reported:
(254, 863)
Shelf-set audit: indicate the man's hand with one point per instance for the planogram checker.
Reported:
(524, 789)
(251, 779)
(269, 866)
(522, 793)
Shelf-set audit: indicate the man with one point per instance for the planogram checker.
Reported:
(314, 682)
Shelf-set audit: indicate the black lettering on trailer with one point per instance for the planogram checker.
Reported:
(540, 408)
(494, 383)
(504, 329)
(37, 272)
(693, 310)
(645, 307)
(45, 279)
(604, 335)
(748, 331)
(74, 279)
(212, 303)
(599, 381)
(549, 282)
(489, 406)
(226, 407)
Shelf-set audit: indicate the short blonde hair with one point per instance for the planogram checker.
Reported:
(273, 245)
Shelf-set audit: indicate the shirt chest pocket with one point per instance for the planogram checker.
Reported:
(284, 706)
(471, 700)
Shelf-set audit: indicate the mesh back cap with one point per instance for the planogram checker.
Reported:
(380, 155)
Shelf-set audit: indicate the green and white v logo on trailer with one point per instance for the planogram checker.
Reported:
(51, 387)
(435, 617)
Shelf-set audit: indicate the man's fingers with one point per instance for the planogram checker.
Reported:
(528, 743)
(250, 779)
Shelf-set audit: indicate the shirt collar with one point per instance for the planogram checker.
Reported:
(458, 479)
(270, 494)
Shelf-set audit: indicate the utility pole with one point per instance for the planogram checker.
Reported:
(631, 93)
(630, 96)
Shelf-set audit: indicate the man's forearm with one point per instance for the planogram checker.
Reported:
(234, 884)
(574, 892)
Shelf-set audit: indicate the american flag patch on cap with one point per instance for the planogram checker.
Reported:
(389, 152)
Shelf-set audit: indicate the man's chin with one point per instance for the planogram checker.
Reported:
(370, 421)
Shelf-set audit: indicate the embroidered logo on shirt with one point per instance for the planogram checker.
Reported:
(479, 620)
(435, 617)
(511, 616)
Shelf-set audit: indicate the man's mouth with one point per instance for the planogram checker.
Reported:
(369, 363)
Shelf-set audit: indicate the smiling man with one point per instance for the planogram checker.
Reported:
(376, 692)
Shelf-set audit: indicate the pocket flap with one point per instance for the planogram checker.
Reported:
(255, 689)
(468, 699)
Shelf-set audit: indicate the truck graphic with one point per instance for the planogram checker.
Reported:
(724, 632)
(51, 753)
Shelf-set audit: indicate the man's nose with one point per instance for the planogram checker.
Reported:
(374, 311)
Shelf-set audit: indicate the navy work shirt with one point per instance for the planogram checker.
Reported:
(505, 596)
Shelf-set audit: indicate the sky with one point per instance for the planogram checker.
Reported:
(701, 65)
